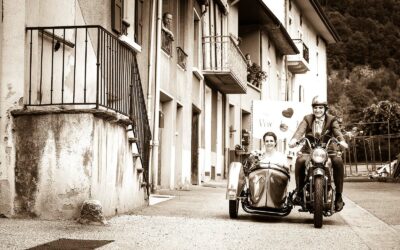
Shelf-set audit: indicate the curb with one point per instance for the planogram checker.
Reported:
(367, 179)
(214, 184)
(358, 179)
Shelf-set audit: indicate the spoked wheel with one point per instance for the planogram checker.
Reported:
(318, 201)
(233, 208)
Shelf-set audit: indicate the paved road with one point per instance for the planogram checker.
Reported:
(198, 219)
(379, 198)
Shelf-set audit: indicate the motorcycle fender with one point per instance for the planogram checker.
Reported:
(318, 171)
(235, 181)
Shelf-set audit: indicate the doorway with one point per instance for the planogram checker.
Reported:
(195, 146)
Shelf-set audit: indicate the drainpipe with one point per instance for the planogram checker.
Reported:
(150, 78)
(286, 58)
(150, 57)
(156, 98)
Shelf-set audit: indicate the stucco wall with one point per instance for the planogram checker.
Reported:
(315, 80)
(11, 92)
(63, 159)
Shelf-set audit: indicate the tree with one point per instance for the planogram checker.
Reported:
(378, 116)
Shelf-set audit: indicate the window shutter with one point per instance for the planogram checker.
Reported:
(138, 21)
(116, 15)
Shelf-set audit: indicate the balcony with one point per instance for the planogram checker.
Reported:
(224, 64)
(299, 64)
(86, 68)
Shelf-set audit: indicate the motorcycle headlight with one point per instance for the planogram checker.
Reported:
(319, 155)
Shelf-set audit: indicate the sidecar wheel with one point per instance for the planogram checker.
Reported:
(318, 201)
(233, 209)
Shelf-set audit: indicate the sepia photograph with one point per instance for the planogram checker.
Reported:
(199, 124)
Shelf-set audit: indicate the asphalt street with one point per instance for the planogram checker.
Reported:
(198, 219)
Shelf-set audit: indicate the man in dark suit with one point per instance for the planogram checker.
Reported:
(319, 122)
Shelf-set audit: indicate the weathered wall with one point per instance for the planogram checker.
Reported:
(76, 157)
(11, 92)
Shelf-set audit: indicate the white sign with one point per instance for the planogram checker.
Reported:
(280, 117)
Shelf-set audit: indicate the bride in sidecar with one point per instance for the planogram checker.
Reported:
(260, 182)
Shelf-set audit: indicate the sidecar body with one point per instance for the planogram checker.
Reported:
(263, 190)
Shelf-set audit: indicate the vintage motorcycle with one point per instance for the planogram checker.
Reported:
(318, 192)
(260, 187)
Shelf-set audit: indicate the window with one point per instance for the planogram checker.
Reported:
(138, 21)
(196, 39)
(290, 4)
(300, 35)
(117, 14)
(289, 87)
(182, 10)
(168, 35)
(124, 13)
(181, 54)
(301, 19)
(301, 93)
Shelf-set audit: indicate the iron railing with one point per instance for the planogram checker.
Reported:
(221, 54)
(367, 153)
(303, 49)
(166, 42)
(181, 57)
(87, 65)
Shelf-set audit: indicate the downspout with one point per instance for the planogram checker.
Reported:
(287, 88)
(150, 56)
(204, 9)
(150, 78)
(156, 98)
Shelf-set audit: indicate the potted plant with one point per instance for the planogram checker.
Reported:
(255, 75)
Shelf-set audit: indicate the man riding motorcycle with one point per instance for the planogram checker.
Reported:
(319, 123)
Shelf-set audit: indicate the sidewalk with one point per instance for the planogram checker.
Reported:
(215, 184)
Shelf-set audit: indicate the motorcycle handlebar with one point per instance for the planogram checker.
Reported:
(305, 139)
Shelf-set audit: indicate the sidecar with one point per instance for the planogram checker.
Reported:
(261, 189)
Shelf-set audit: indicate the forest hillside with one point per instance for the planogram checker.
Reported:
(364, 67)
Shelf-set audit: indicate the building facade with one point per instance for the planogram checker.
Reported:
(110, 99)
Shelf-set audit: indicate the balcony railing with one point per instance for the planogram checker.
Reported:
(224, 64)
(182, 57)
(87, 66)
(299, 63)
(306, 53)
(166, 42)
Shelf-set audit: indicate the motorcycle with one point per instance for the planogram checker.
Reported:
(318, 192)
(260, 187)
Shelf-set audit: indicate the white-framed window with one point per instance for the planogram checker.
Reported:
(196, 39)
(300, 34)
(127, 20)
(301, 93)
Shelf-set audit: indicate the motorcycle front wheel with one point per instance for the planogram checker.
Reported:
(318, 201)
(233, 209)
